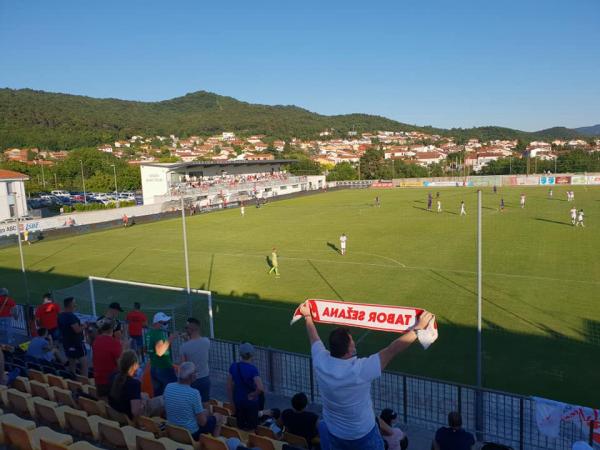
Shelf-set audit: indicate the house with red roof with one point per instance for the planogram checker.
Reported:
(13, 201)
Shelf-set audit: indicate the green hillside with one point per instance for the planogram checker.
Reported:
(31, 118)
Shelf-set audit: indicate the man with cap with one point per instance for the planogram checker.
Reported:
(158, 347)
(244, 389)
(183, 405)
(112, 313)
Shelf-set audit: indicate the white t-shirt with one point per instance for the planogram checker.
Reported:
(345, 386)
(343, 241)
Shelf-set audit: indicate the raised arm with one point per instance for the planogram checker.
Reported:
(404, 341)
(311, 330)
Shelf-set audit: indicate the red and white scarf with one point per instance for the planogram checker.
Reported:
(395, 319)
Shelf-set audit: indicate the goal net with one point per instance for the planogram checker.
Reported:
(95, 294)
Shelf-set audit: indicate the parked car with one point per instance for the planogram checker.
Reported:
(58, 193)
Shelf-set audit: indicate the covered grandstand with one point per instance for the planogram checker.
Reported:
(214, 182)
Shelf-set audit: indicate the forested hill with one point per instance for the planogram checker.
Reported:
(53, 121)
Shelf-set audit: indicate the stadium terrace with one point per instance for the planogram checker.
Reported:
(214, 182)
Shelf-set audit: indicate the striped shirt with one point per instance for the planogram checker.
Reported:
(182, 404)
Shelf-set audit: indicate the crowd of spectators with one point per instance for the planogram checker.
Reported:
(226, 181)
(182, 394)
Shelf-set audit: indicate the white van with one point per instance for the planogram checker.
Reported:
(60, 193)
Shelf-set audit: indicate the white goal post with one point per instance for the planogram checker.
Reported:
(96, 293)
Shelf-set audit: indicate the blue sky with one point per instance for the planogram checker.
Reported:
(523, 64)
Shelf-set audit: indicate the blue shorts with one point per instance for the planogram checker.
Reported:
(208, 428)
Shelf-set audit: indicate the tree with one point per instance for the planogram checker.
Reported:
(372, 165)
(305, 166)
(342, 172)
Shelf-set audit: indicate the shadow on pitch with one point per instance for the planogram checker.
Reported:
(422, 209)
(333, 247)
(249, 316)
(325, 280)
(554, 221)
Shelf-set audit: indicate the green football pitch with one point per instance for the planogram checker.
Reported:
(541, 276)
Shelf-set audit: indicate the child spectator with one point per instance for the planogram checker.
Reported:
(395, 437)
(453, 437)
(298, 421)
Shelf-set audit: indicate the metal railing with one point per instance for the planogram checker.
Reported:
(508, 419)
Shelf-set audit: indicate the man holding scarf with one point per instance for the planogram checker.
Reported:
(345, 383)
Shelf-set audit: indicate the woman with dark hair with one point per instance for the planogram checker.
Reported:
(126, 391)
(394, 437)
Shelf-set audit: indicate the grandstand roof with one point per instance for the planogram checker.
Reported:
(183, 165)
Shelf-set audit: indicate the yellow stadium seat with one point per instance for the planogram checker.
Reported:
(151, 424)
(113, 414)
(182, 435)
(21, 403)
(50, 413)
(15, 420)
(39, 389)
(26, 439)
(79, 423)
(222, 410)
(64, 397)
(84, 380)
(230, 432)
(36, 375)
(120, 438)
(160, 444)
(92, 407)
(83, 445)
(22, 384)
(295, 440)
(262, 442)
(55, 380)
(211, 443)
(74, 386)
(79, 445)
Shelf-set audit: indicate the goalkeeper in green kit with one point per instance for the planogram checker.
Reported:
(274, 263)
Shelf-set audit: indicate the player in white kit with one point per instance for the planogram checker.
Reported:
(463, 212)
(580, 219)
(573, 215)
(343, 239)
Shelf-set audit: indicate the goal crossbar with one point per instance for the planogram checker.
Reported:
(208, 294)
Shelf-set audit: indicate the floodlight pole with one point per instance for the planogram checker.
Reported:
(83, 183)
(185, 254)
(116, 188)
(21, 246)
(479, 393)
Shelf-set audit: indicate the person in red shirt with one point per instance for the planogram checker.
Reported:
(46, 315)
(106, 351)
(8, 312)
(136, 321)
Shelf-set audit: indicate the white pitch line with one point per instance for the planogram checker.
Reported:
(395, 266)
